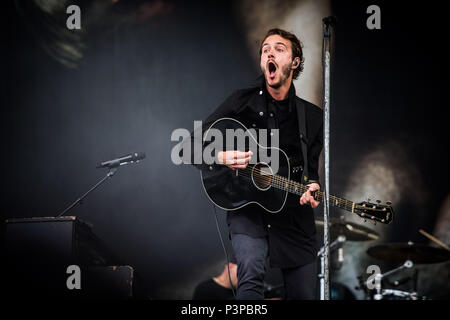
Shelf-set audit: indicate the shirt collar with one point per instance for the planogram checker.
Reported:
(290, 97)
(258, 101)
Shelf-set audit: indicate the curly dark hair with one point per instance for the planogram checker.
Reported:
(296, 45)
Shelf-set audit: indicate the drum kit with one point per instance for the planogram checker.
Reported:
(404, 255)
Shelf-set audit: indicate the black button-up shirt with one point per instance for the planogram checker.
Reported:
(291, 232)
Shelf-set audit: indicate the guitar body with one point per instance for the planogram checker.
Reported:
(233, 189)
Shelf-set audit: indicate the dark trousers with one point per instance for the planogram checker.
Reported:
(251, 255)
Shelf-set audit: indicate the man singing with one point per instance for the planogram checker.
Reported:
(287, 237)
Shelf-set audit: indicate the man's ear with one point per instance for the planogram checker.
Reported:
(295, 62)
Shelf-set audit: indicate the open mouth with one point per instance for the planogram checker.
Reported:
(272, 67)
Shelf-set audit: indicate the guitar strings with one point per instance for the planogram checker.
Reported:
(289, 185)
(279, 182)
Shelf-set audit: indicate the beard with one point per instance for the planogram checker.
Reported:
(285, 72)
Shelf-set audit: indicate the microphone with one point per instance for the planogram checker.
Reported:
(127, 159)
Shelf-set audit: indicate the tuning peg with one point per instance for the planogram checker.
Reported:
(388, 203)
(378, 201)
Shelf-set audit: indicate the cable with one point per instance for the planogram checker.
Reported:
(224, 249)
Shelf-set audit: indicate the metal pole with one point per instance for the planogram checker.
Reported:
(325, 284)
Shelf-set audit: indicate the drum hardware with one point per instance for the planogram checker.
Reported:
(336, 243)
(352, 231)
(417, 253)
(401, 281)
(412, 254)
(379, 277)
(402, 295)
(340, 232)
(435, 240)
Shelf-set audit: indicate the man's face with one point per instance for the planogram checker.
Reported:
(276, 60)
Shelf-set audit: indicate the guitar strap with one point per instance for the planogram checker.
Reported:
(301, 115)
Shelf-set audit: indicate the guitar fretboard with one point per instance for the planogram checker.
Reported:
(282, 183)
(294, 187)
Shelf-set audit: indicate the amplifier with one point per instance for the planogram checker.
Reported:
(39, 252)
(49, 240)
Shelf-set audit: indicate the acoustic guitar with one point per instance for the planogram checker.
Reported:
(263, 184)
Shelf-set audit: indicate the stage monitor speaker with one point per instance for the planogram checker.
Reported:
(52, 241)
(40, 250)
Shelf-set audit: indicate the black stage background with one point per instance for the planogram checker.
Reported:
(142, 76)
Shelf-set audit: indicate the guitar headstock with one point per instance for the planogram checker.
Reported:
(375, 211)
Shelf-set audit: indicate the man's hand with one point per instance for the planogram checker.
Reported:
(234, 159)
(307, 197)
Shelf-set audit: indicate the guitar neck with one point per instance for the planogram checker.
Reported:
(282, 183)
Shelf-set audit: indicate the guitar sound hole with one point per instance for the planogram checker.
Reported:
(262, 176)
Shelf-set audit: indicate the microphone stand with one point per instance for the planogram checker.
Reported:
(325, 284)
(79, 200)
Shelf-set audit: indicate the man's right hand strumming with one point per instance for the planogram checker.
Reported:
(234, 159)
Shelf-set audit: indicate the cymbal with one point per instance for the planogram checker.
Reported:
(351, 231)
(417, 253)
